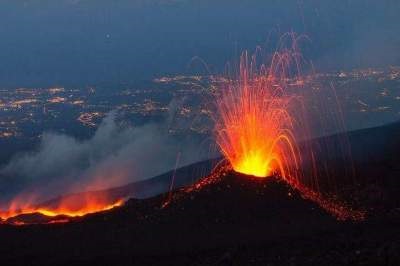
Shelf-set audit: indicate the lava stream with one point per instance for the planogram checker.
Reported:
(71, 206)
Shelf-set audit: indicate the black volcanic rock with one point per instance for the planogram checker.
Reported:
(233, 220)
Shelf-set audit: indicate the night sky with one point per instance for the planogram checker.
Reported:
(89, 42)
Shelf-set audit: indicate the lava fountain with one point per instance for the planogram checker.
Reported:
(263, 128)
(255, 128)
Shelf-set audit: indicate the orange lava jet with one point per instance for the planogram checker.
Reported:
(263, 127)
(254, 125)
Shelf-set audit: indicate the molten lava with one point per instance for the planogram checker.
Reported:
(254, 126)
(263, 127)
(71, 206)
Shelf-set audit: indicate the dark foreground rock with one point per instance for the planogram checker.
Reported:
(237, 220)
(234, 220)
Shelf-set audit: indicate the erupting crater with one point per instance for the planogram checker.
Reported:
(262, 127)
(254, 124)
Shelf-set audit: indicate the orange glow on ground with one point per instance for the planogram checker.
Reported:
(69, 206)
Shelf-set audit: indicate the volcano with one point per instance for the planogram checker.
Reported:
(229, 218)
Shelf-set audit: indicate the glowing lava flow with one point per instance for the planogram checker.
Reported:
(71, 206)
(254, 127)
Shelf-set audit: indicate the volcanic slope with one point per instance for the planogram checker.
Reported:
(230, 219)
(226, 219)
(184, 176)
(374, 155)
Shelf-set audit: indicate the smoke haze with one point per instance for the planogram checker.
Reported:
(112, 157)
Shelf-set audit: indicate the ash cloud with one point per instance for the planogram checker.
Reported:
(112, 157)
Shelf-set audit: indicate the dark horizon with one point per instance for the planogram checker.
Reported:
(78, 43)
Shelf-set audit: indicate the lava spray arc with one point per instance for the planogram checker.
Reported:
(255, 124)
(264, 122)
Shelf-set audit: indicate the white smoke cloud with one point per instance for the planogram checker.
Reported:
(112, 157)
